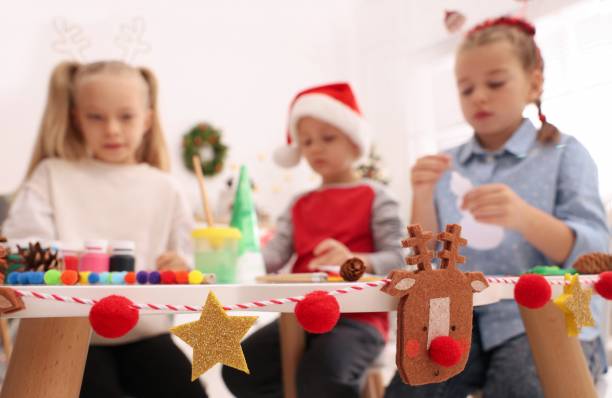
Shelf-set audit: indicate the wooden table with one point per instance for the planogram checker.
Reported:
(52, 342)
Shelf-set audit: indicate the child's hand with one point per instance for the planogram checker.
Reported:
(171, 261)
(329, 252)
(427, 171)
(496, 204)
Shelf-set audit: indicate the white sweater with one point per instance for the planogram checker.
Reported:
(74, 201)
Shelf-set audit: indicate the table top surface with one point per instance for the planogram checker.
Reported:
(370, 299)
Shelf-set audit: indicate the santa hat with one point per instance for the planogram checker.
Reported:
(332, 103)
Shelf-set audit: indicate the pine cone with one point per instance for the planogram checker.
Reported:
(593, 263)
(38, 259)
(352, 269)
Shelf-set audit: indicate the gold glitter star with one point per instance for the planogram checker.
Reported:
(574, 302)
(215, 337)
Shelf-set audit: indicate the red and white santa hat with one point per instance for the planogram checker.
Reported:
(333, 103)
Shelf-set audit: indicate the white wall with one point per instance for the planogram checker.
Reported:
(405, 59)
(237, 63)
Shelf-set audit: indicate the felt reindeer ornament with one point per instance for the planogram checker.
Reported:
(434, 321)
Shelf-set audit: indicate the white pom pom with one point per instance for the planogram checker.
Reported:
(287, 156)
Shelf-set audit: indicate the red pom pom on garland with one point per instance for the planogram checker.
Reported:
(168, 277)
(445, 351)
(113, 316)
(532, 291)
(318, 312)
(603, 286)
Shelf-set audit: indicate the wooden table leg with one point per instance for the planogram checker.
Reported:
(292, 340)
(559, 359)
(5, 336)
(48, 358)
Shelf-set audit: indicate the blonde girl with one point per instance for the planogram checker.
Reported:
(539, 185)
(99, 170)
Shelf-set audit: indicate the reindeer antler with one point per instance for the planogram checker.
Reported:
(452, 240)
(70, 39)
(418, 240)
(130, 39)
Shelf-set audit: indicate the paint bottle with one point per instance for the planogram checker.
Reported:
(70, 254)
(122, 256)
(95, 258)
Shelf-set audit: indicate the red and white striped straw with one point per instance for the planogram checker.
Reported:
(356, 287)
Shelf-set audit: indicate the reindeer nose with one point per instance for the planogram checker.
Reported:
(445, 351)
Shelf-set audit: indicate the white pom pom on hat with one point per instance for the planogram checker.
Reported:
(333, 103)
(287, 156)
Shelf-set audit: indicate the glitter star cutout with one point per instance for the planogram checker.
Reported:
(574, 302)
(215, 337)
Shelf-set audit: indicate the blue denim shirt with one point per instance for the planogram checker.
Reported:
(558, 179)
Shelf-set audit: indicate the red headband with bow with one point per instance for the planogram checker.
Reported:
(518, 23)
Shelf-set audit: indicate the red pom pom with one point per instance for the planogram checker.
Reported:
(70, 277)
(168, 277)
(130, 278)
(318, 312)
(182, 277)
(113, 316)
(532, 291)
(445, 351)
(603, 286)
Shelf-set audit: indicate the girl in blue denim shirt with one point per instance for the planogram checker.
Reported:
(539, 187)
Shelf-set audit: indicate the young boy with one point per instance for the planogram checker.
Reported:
(345, 217)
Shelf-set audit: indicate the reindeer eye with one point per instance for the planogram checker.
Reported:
(453, 328)
(424, 328)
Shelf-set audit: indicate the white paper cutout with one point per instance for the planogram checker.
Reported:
(479, 236)
(70, 39)
(130, 39)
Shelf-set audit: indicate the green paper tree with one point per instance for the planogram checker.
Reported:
(244, 217)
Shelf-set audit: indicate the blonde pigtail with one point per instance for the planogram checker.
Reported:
(57, 136)
(154, 149)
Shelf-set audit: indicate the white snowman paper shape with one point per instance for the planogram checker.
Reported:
(480, 236)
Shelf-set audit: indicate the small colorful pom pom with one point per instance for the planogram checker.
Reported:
(182, 277)
(93, 278)
(154, 278)
(69, 277)
(24, 278)
(195, 277)
(37, 278)
(117, 278)
(168, 277)
(13, 278)
(130, 278)
(142, 277)
(84, 277)
(105, 278)
(52, 277)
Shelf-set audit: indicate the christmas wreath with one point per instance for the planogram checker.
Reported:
(205, 141)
